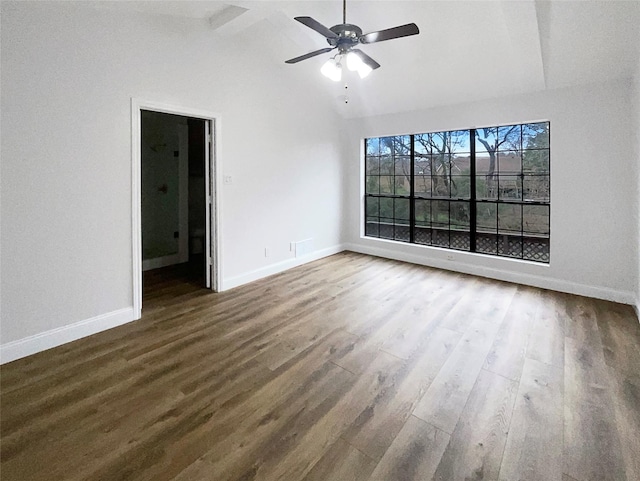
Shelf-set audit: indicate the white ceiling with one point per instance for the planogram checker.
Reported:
(466, 50)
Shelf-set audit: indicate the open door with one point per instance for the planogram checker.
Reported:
(208, 135)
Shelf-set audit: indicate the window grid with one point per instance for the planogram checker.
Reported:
(479, 190)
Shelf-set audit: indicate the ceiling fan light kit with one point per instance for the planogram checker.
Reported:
(345, 37)
(355, 63)
(332, 69)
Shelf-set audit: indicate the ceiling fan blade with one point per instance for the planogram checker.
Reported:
(366, 59)
(309, 55)
(390, 33)
(317, 26)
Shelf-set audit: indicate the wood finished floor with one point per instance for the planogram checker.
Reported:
(348, 368)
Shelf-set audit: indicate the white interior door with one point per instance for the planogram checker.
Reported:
(208, 135)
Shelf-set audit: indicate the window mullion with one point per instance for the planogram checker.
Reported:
(472, 188)
(412, 196)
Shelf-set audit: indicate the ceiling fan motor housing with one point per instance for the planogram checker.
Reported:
(348, 36)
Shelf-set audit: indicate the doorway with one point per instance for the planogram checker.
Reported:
(175, 217)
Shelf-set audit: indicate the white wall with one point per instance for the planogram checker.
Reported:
(68, 75)
(593, 194)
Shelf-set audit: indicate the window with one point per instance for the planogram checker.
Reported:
(481, 190)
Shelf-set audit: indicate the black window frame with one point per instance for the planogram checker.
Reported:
(463, 221)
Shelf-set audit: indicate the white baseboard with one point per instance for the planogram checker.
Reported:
(61, 335)
(624, 297)
(269, 270)
(165, 261)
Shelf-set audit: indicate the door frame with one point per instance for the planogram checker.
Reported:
(211, 119)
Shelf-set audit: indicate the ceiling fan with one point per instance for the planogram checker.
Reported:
(345, 37)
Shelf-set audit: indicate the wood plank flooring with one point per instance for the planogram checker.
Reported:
(351, 368)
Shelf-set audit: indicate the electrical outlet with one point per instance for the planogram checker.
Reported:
(450, 257)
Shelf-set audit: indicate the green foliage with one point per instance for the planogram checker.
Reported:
(373, 184)
(535, 161)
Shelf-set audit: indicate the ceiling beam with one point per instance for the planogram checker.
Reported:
(521, 21)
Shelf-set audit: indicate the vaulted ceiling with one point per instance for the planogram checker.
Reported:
(466, 50)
